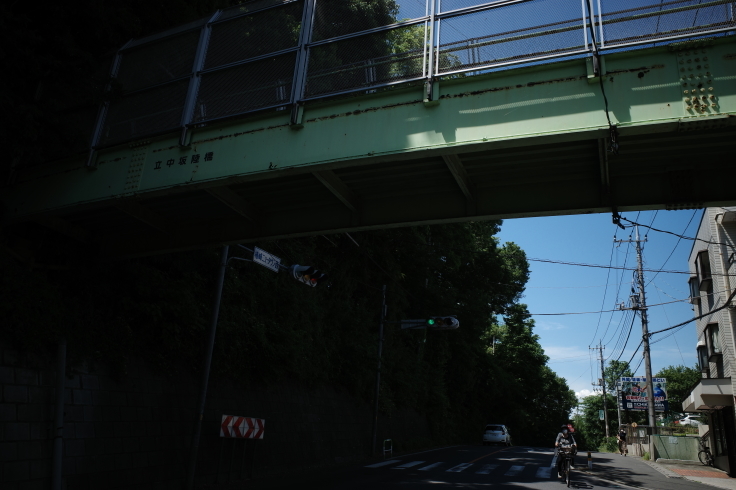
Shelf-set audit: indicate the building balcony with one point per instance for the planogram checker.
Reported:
(709, 394)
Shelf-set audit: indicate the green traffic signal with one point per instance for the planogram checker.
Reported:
(430, 321)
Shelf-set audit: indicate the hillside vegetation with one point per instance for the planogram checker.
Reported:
(273, 328)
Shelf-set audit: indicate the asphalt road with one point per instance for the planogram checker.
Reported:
(458, 467)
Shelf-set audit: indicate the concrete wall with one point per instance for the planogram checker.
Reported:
(673, 447)
(136, 433)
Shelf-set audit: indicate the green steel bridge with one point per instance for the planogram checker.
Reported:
(281, 119)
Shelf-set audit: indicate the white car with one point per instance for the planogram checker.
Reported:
(692, 420)
(496, 434)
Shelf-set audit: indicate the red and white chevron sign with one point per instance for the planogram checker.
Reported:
(242, 427)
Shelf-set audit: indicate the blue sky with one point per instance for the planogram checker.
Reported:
(557, 288)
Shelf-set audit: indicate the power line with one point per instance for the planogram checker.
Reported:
(598, 266)
(675, 247)
(605, 311)
(631, 327)
(678, 235)
(605, 292)
(726, 304)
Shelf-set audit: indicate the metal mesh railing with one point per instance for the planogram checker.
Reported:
(366, 61)
(270, 53)
(449, 5)
(510, 33)
(625, 24)
(243, 88)
(255, 35)
(335, 18)
(162, 61)
(144, 113)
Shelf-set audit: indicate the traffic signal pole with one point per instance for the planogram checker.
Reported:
(191, 470)
(378, 371)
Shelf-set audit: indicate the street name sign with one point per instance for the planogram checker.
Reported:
(266, 259)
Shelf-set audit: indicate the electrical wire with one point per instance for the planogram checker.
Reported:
(613, 133)
(725, 304)
(681, 236)
(605, 311)
(675, 247)
(605, 292)
(599, 266)
(623, 349)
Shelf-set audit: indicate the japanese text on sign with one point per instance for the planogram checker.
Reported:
(208, 157)
(265, 259)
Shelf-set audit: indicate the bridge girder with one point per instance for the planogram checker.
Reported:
(530, 141)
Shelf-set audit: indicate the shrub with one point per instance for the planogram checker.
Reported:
(609, 445)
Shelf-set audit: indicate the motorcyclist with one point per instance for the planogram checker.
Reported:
(564, 438)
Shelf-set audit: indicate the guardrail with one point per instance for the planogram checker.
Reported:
(279, 54)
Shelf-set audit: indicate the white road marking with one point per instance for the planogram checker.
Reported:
(544, 472)
(460, 467)
(383, 463)
(487, 468)
(514, 470)
(429, 467)
(407, 465)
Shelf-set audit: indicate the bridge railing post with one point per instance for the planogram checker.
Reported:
(102, 111)
(187, 113)
(299, 83)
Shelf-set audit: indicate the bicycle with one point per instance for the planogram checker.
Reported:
(704, 455)
(565, 452)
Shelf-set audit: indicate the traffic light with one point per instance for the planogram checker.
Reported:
(307, 274)
(443, 322)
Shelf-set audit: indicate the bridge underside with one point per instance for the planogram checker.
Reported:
(531, 141)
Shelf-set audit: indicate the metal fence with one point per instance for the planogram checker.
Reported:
(277, 53)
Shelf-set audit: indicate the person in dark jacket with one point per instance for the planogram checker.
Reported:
(621, 437)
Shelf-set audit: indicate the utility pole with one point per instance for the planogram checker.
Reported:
(618, 403)
(378, 371)
(603, 385)
(640, 303)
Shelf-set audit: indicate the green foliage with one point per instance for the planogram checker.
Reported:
(680, 380)
(609, 445)
(614, 371)
(646, 456)
(589, 424)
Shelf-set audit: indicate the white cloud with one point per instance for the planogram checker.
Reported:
(549, 326)
(582, 394)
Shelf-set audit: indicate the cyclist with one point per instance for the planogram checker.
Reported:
(564, 438)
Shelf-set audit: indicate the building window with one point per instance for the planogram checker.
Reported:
(702, 266)
(694, 291)
(714, 340)
(703, 360)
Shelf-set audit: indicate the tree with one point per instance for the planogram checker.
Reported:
(680, 381)
(614, 371)
(589, 423)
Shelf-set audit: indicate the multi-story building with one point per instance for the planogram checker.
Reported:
(712, 289)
